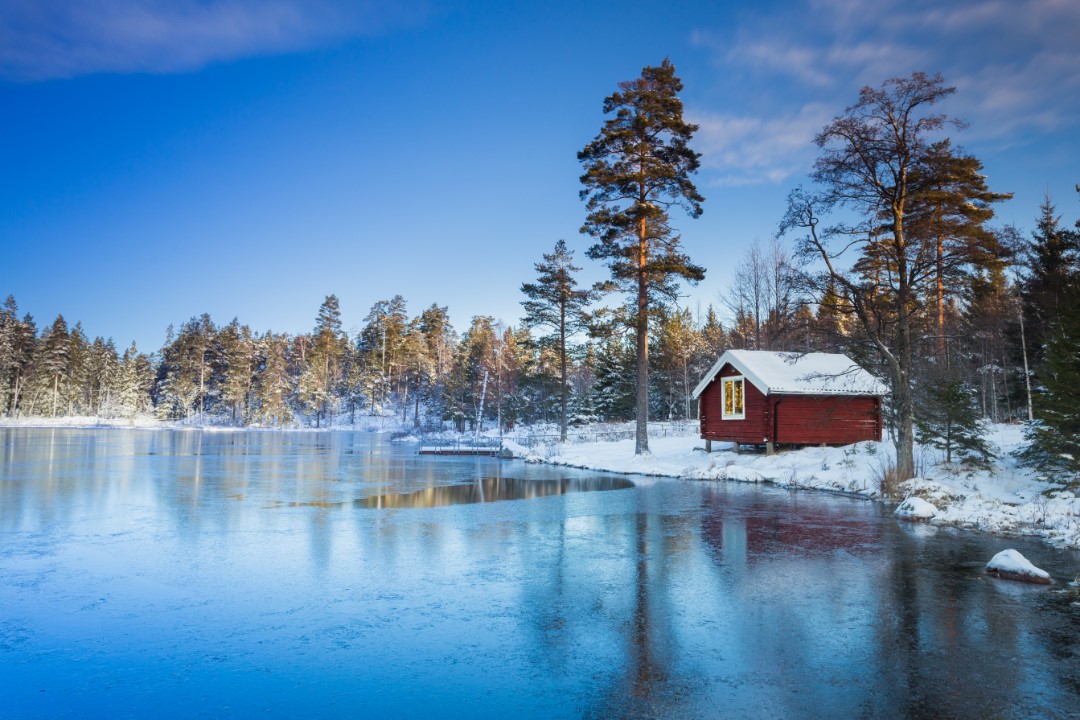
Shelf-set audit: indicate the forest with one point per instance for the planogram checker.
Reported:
(968, 320)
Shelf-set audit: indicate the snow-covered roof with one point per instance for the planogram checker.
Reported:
(797, 373)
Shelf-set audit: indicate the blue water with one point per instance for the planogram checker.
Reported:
(235, 575)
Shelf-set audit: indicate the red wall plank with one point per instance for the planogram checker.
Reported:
(828, 419)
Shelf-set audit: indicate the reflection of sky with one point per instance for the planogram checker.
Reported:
(148, 570)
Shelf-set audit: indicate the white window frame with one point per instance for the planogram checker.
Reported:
(724, 415)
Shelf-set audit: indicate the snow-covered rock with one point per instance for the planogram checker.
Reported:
(1011, 565)
(915, 508)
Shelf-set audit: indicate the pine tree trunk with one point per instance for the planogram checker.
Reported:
(202, 387)
(641, 445)
(902, 390)
(562, 371)
(903, 408)
(941, 295)
(1005, 384)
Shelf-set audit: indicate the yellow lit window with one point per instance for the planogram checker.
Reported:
(733, 399)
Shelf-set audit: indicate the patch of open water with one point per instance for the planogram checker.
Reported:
(180, 574)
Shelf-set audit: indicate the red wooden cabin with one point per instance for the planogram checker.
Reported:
(755, 397)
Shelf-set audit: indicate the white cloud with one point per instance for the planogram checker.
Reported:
(64, 38)
(1016, 64)
(746, 150)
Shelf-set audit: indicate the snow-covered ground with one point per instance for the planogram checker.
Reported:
(1006, 499)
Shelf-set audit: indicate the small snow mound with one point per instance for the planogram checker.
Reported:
(404, 439)
(1011, 565)
(915, 508)
(511, 449)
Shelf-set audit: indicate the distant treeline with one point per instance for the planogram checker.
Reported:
(974, 329)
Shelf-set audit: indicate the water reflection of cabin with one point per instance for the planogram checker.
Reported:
(757, 397)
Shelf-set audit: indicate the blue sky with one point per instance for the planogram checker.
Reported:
(245, 158)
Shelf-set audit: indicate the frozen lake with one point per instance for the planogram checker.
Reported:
(197, 574)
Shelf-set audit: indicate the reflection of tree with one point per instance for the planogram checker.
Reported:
(647, 672)
(647, 687)
(490, 489)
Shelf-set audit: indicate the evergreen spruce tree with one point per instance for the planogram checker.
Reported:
(9, 323)
(583, 400)
(412, 362)
(76, 395)
(102, 378)
(713, 338)
(1052, 261)
(675, 344)
(439, 341)
(25, 355)
(477, 360)
(318, 385)
(948, 419)
(1055, 436)
(352, 380)
(186, 378)
(636, 169)
(555, 301)
(988, 333)
(614, 389)
(273, 382)
(135, 377)
(237, 365)
(55, 347)
(381, 342)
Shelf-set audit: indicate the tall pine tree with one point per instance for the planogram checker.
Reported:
(636, 170)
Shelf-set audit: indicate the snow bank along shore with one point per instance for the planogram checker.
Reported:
(1006, 499)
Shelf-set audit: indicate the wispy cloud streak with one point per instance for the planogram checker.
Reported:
(65, 38)
(747, 150)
